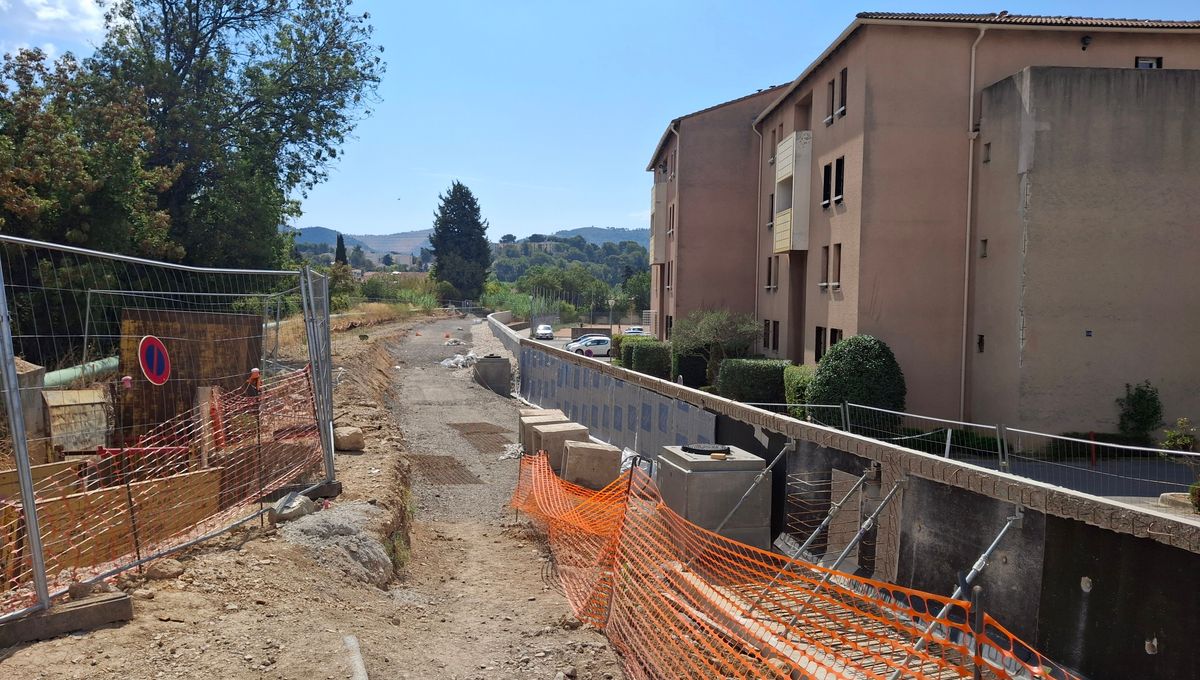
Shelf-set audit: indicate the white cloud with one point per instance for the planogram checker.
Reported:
(78, 16)
(5, 5)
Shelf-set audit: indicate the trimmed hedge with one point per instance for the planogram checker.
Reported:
(860, 370)
(795, 388)
(693, 368)
(652, 358)
(758, 381)
(627, 346)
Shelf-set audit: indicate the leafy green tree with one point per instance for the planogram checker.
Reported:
(461, 250)
(387, 260)
(508, 238)
(1141, 411)
(358, 259)
(74, 165)
(637, 287)
(249, 99)
(339, 253)
(714, 334)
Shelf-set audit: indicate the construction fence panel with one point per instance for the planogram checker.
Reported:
(614, 410)
(679, 601)
(147, 405)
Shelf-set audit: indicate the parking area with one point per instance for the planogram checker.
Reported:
(561, 343)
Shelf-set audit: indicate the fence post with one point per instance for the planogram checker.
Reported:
(846, 416)
(20, 449)
(321, 388)
(1002, 435)
(949, 435)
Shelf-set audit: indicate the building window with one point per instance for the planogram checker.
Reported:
(766, 334)
(841, 110)
(987, 152)
(820, 342)
(824, 266)
(1147, 62)
(829, 115)
(839, 178)
(775, 335)
(669, 263)
(835, 336)
(774, 146)
(775, 283)
(836, 281)
(768, 286)
(670, 323)
(827, 185)
(979, 343)
(671, 219)
(983, 247)
(771, 210)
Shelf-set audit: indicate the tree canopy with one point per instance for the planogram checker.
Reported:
(461, 250)
(249, 102)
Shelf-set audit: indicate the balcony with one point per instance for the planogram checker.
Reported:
(785, 158)
(783, 231)
(658, 223)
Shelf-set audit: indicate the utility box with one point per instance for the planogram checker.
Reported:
(495, 373)
(525, 435)
(703, 489)
(552, 438)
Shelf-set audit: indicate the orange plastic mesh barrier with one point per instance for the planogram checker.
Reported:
(678, 601)
(185, 477)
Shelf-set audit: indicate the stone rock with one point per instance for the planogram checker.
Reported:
(143, 594)
(290, 507)
(164, 569)
(348, 438)
(78, 590)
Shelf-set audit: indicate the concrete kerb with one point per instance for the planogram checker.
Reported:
(1034, 495)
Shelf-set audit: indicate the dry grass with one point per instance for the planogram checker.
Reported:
(372, 314)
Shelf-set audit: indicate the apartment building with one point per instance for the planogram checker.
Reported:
(701, 245)
(875, 190)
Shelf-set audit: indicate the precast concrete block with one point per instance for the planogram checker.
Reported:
(527, 423)
(591, 464)
(553, 437)
(703, 490)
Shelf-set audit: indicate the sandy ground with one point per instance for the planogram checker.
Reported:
(475, 599)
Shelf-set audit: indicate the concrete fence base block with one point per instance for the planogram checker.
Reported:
(67, 617)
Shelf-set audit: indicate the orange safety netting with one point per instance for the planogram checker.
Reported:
(678, 601)
(188, 475)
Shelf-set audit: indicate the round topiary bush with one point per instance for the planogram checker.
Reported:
(860, 370)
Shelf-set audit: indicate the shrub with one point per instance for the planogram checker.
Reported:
(615, 349)
(652, 358)
(446, 292)
(795, 388)
(1182, 437)
(758, 381)
(567, 312)
(1141, 411)
(860, 370)
(627, 346)
(1194, 493)
(693, 368)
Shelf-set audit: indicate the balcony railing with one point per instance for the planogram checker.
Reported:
(783, 231)
(785, 158)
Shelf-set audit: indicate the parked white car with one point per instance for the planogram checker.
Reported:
(635, 330)
(582, 339)
(544, 332)
(593, 347)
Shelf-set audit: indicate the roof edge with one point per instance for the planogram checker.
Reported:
(675, 121)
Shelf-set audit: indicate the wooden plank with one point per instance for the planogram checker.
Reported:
(94, 527)
(67, 617)
(49, 479)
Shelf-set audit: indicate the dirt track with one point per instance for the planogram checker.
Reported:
(475, 600)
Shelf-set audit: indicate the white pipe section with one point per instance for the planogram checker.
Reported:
(971, 135)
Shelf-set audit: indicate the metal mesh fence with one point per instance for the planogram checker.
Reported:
(148, 404)
(1100, 468)
(967, 442)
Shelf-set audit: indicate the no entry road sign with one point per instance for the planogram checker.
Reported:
(154, 360)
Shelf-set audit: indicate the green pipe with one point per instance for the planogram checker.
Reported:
(92, 369)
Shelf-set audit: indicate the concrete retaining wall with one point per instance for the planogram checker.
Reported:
(946, 514)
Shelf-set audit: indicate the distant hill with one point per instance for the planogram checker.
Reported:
(401, 242)
(600, 235)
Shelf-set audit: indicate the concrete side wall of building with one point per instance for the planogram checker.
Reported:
(1098, 250)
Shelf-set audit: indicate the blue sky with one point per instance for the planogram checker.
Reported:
(548, 111)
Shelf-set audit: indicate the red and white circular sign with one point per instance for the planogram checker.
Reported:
(154, 360)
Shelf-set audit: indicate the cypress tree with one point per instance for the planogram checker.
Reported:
(339, 254)
(461, 250)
